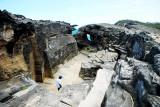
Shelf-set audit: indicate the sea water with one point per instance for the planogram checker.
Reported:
(74, 32)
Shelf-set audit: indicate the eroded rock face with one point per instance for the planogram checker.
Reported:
(61, 48)
(55, 45)
(137, 78)
(12, 36)
(33, 46)
(30, 49)
(135, 43)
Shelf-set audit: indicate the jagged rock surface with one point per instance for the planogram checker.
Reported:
(101, 59)
(30, 46)
(137, 78)
(135, 43)
(117, 97)
(74, 94)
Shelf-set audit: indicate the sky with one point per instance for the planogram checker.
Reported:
(83, 12)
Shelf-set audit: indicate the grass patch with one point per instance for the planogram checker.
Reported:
(25, 88)
(150, 24)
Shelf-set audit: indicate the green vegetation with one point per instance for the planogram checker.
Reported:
(25, 88)
(154, 25)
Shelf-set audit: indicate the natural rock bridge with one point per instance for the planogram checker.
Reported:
(120, 66)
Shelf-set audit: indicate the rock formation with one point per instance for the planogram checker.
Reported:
(33, 46)
(136, 79)
(31, 49)
(101, 59)
(124, 63)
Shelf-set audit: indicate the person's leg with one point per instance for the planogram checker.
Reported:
(58, 89)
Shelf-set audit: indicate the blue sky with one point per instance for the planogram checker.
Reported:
(84, 12)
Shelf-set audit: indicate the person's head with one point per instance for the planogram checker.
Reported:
(60, 77)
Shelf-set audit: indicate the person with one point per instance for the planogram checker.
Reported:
(58, 82)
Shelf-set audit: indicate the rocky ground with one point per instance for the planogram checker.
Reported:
(123, 70)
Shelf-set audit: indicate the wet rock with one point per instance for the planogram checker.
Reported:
(101, 59)
(117, 97)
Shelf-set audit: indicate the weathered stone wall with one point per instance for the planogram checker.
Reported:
(55, 44)
(13, 35)
(34, 47)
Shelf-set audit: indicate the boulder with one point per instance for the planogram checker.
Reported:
(61, 48)
(101, 59)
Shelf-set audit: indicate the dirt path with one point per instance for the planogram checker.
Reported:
(70, 72)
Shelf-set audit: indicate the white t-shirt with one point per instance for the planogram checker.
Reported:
(58, 81)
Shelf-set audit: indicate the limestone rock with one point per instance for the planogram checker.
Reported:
(154, 51)
(101, 59)
(33, 46)
(74, 94)
(25, 92)
(151, 100)
(60, 49)
(12, 37)
(117, 97)
(137, 78)
(133, 42)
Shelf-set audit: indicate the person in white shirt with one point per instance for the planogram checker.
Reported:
(58, 82)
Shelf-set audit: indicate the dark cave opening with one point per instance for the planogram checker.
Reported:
(10, 47)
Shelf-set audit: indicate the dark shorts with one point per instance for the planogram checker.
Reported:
(58, 89)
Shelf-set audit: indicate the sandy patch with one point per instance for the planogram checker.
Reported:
(70, 72)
